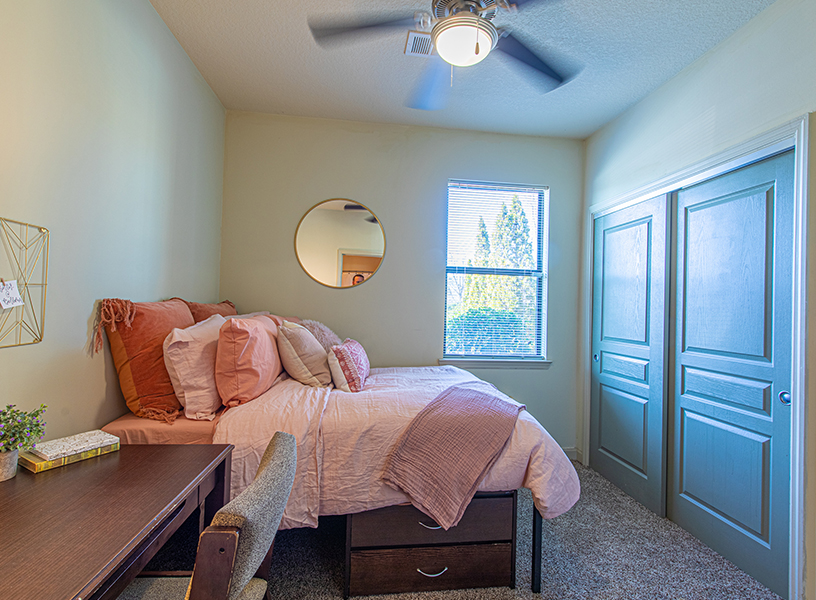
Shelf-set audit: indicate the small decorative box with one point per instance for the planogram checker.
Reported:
(74, 444)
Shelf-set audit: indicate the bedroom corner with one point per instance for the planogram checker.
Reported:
(115, 146)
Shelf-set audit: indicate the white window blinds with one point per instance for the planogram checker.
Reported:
(495, 301)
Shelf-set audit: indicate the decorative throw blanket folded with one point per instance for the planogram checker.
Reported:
(448, 448)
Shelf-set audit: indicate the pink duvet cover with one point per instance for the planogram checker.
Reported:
(343, 440)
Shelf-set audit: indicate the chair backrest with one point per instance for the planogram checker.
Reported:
(247, 525)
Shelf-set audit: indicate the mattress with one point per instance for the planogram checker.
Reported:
(343, 440)
(131, 429)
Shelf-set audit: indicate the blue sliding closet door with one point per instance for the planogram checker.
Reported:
(730, 419)
(627, 415)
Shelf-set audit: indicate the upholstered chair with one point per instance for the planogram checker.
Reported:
(235, 546)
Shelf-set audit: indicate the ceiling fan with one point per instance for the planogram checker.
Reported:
(460, 31)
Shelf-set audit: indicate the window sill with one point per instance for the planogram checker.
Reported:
(497, 363)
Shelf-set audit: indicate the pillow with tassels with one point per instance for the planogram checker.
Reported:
(136, 332)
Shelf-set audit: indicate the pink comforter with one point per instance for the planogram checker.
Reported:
(344, 439)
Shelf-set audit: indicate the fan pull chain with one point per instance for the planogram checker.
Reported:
(477, 41)
(451, 75)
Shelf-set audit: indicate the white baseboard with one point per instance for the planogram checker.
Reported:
(574, 454)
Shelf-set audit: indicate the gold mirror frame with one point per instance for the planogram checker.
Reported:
(338, 241)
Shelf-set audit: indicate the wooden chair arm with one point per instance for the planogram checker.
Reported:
(214, 564)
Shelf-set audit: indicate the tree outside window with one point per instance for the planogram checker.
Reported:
(496, 278)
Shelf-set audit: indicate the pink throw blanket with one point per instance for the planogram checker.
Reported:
(448, 448)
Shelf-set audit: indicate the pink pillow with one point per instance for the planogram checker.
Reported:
(247, 361)
(189, 355)
(349, 366)
(323, 334)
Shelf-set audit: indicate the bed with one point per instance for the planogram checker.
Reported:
(344, 440)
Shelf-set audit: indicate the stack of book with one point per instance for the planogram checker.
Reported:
(64, 451)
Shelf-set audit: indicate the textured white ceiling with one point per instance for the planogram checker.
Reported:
(259, 55)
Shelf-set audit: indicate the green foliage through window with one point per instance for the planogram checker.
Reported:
(496, 279)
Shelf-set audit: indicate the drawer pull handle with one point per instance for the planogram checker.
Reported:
(429, 526)
(429, 575)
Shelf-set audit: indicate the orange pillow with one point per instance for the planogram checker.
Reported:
(247, 361)
(136, 332)
(202, 312)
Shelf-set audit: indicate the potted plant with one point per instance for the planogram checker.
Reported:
(18, 430)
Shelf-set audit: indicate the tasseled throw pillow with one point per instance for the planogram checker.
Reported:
(136, 332)
(202, 311)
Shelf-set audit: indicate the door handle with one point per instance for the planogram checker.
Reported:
(595, 357)
(785, 398)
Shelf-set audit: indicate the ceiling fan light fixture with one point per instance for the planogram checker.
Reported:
(464, 39)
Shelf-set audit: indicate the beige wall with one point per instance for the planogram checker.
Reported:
(760, 78)
(278, 167)
(112, 140)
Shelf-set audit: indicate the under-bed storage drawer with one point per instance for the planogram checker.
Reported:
(394, 570)
(400, 549)
(485, 520)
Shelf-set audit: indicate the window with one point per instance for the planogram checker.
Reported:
(496, 290)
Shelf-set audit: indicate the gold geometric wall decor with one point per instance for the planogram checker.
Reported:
(25, 260)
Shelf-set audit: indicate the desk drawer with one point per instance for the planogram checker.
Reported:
(394, 570)
(487, 519)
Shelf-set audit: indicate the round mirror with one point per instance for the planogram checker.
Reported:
(339, 243)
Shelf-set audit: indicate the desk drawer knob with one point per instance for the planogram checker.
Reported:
(429, 575)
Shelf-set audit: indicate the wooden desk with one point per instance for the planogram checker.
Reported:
(84, 531)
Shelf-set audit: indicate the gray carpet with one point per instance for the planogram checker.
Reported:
(607, 547)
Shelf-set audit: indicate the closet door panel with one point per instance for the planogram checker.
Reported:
(623, 427)
(627, 420)
(731, 435)
(726, 274)
(625, 293)
(720, 457)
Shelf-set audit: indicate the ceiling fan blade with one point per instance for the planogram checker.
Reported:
(525, 3)
(514, 48)
(433, 88)
(324, 32)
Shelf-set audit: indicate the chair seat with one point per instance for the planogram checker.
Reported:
(175, 588)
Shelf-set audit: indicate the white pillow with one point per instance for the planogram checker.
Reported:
(189, 355)
(302, 355)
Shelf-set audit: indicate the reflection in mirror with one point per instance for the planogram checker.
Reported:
(339, 243)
